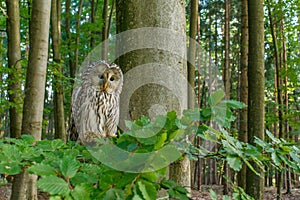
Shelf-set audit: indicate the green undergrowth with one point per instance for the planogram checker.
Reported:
(134, 165)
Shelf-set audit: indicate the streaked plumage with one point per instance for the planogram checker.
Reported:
(95, 102)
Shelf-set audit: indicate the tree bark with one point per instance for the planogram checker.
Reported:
(243, 119)
(255, 183)
(226, 70)
(104, 30)
(192, 52)
(15, 74)
(58, 100)
(160, 51)
(24, 184)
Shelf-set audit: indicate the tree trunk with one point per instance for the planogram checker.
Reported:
(24, 184)
(58, 100)
(255, 183)
(157, 57)
(104, 30)
(192, 52)
(243, 121)
(226, 79)
(72, 65)
(226, 70)
(14, 57)
(75, 67)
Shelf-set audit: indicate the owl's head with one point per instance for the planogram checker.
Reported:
(106, 77)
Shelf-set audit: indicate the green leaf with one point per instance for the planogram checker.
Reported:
(147, 189)
(235, 104)
(53, 185)
(234, 162)
(216, 97)
(69, 167)
(226, 197)
(161, 141)
(42, 170)
(10, 168)
(213, 195)
(82, 191)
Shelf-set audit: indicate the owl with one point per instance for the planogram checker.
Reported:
(95, 102)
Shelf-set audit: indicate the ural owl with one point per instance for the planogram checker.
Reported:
(95, 102)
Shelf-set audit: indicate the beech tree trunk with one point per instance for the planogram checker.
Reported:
(255, 183)
(58, 100)
(24, 184)
(155, 43)
(14, 64)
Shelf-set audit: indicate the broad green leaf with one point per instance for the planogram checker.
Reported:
(82, 191)
(147, 189)
(160, 141)
(226, 197)
(10, 168)
(213, 195)
(234, 162)
(53, 185)
(69, 166)
(42, 170)
(216, 97)
(235, 104)
(276, 159)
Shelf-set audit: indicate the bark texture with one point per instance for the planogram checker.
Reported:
(243, 83)
(152, 50)
(255, 183)
(58, 101)
(24, 184)
(14, 57)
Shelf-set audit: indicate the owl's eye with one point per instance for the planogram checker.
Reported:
(101, 77)
(112, 79)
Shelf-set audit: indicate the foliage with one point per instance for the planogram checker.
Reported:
(71, 171)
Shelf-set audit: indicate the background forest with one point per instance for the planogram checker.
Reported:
(251, 47)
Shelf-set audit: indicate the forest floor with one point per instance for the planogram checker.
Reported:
(270, 194)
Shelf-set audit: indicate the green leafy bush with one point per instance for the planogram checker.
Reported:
(133, 166)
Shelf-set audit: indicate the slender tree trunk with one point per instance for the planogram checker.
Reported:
(192, 52)
(278, 94)
(75, 67)
(104, 30)
(24, 184)
(255, 183)
(168, 20)
(92, 41)
(15, 76)
(72, 64)
(58, 100)
(226, 70)
(243, 120)
(226, 79)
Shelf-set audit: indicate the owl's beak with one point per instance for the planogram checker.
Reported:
(104, 86)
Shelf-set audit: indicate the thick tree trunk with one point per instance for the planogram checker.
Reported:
(255, 183)
(24, 184)
(155, 42)
(58, 100)
(243, 119)
(14, 57)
